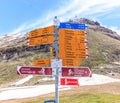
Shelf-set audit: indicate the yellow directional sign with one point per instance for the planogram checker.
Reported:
(72, 46)
(78, 54)
(71, 62)
(82, 56)
(42, 62)
(71, 32)
(41, 40)
(71, 38)
(80, 32)
(73, 56)
(41, 31)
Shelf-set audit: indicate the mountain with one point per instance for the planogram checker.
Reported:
(12, 39)
(94, 25)
(103, 44)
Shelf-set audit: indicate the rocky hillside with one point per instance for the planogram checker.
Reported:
(94, 25)
(11, 40)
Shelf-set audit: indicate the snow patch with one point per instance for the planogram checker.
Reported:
(29, 92)
(96, 79)
(47, 79)
(22, 81)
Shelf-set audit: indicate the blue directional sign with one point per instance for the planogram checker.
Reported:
(73, 26)
(46, 101)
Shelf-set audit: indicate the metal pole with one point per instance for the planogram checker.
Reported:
(56, 22)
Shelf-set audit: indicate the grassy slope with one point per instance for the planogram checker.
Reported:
(83, 98)
(101, 48)
(8, 69)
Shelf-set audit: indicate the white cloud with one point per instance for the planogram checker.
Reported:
(32, 25)
(114, 28)
(70, 8)
(19, 29)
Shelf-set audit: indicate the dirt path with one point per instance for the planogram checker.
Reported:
(112, 88)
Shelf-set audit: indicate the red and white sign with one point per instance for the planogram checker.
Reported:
(34, 70)
(76, 71)
(69, 81)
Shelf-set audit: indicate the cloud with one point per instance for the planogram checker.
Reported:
(114, 28)
(69, 8)
(19, 29)
(32, 25)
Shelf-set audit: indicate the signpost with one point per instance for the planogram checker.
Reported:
(73, 26)
(56, 23)
(41, 31)
(71, 61)
(72, 32)
(69, 81)
(49, 101)
(33, 70)
(56, 63)
(72, 46)
(69, 49)
(41, 40)
(76, 72)
(42, 62)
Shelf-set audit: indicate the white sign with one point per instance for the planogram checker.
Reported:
(56, 63)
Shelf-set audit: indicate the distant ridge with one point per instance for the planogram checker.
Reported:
(96, 26)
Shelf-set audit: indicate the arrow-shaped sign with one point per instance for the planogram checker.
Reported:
(73, 26)
(34, 70)
(76, 72)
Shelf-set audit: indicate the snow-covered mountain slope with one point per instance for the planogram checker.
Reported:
(12, 39)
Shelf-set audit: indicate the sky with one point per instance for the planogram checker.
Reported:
(17, 16)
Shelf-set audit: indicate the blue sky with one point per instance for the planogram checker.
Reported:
(24, 15)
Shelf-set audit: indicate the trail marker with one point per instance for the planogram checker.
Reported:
(73, 26)
(76, 72)
(69, 81)
(33, 70)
